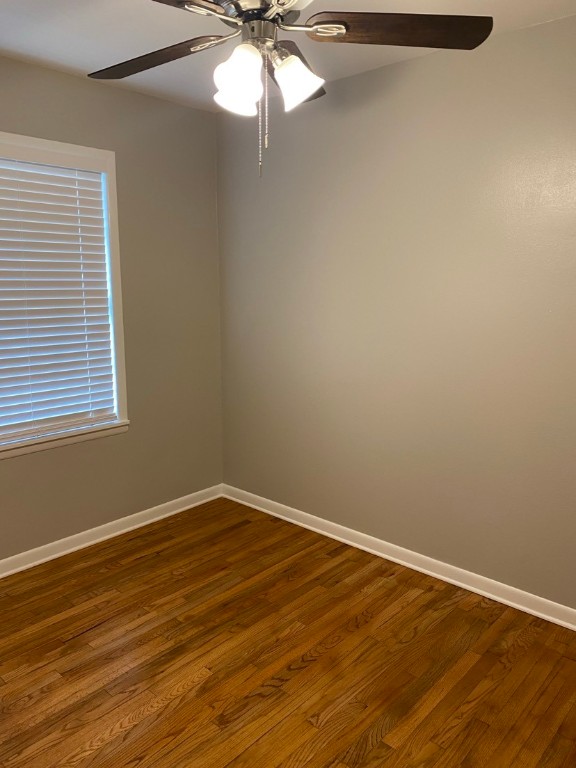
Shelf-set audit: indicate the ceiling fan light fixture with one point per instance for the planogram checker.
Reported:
(239, 80)
(296, 81)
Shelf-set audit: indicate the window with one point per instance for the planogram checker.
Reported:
(61, 347)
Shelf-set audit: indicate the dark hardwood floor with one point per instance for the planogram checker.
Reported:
(225, 637)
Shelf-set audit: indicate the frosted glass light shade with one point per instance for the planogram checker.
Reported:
(296, 82)
(239, 79)
(239, 106)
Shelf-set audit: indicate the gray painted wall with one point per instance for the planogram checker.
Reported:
(166, 160)
(399, 307)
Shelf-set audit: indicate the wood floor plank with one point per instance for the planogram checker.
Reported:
(227, 638)
(560, 753)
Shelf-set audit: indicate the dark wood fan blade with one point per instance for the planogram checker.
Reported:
(413, 29)
(294, 50)
(155, 59)
(214, 7)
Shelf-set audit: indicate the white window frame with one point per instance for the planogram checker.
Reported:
(33, 150)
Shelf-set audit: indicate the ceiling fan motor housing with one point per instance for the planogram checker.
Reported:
(259, 31)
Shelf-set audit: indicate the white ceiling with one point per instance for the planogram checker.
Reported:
(81, 36)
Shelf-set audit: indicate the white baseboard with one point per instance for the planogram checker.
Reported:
(86, 538)
(502, 593)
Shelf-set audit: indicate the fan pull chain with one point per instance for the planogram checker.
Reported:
(263, 117)
(266, 78)
(260, 138)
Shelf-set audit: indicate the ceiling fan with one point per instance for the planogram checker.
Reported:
(257, 22)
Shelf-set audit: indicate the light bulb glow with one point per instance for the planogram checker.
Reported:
(296, 82)
(239, 80)
(239, 106)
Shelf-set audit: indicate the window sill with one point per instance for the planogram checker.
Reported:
(55, 441)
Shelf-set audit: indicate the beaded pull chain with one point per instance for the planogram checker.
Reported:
(263, 118)
(266, 79)
(260, 138)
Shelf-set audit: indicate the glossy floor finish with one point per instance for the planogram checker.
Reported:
(225, 637)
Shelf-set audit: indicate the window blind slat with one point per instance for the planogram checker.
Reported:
(79, 283)
(11, 270)
(60, 224)
(45, 184)
(32, 333)
(45, 390)
(62, 417)
(36, 295)
(25, 180)
(87, 399)
(41, 230)
(43, 373)
(59, 401)
(45, 310)
(22, 240)
(42, 345)
(20, 402)
(28, 346)
(55, 350)
(17, 248)
(53, 362)
(56, 427)
(49, 193)
(27, 170)
(46, 383)
(41, 327)
(55, 262)
(53, 212)
(89, 393)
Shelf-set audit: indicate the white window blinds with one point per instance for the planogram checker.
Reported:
(57, 362)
